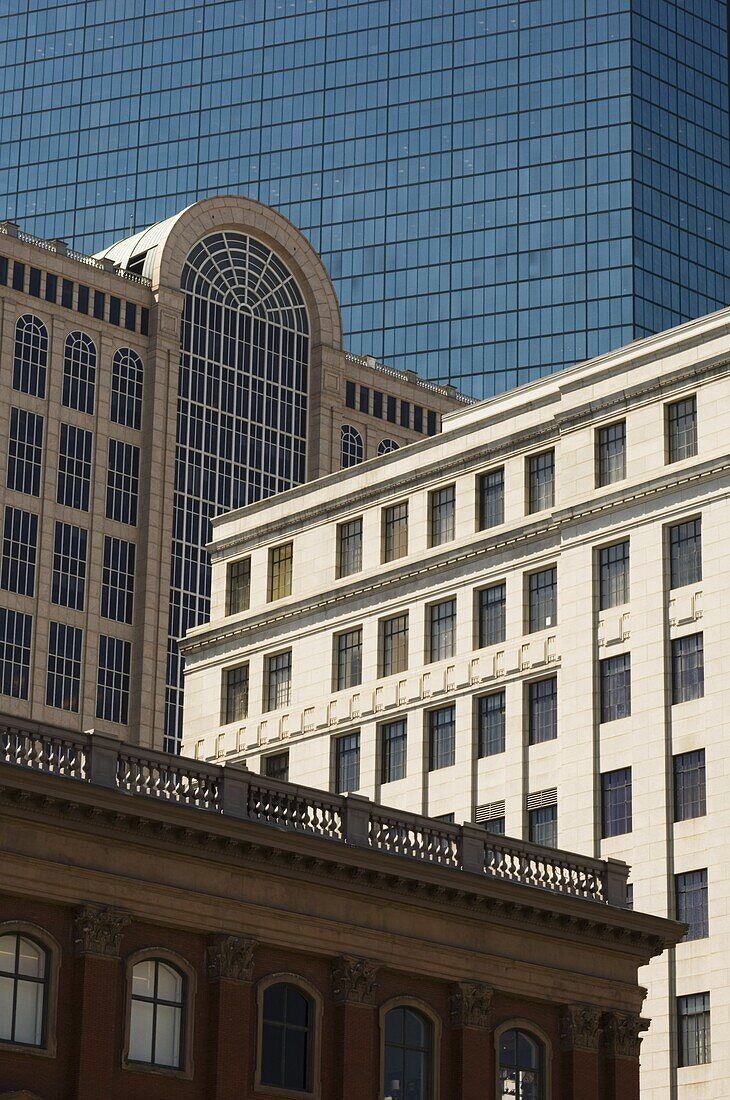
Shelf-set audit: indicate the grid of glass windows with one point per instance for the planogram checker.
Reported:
(690, 798)
(349, 547)
(543, 710)
(682, 429)
(441, 630)
(112, 679)
(542, 591)
(407, 1054)
(393, 743)
(280, 571)
(690, 891)
(693, 1018)
(16, 634)
(543, 826)
(19, 551)
(615, 679)
(395, 532)
(75, 448)
(688, 668)
(235, 694)
(540, 481)
(394, 645)
(24, 985)
(441, 738)
(347, 763)
(238, 586)
(492, 615)
(117, 579)
(68, 580)
(122, 482)
(616, 804)
(611, 453)
(287, 1038)
(348, 659)
(277, 680)
(613, 570)
(79, 372)
(63, 676)
(491, 499)
(30, 360)
(156, 1013)
(352, 449)
(442, 515)
(276, 765)
(685, 553)
(25, 452)
(126, 391)
(491, 724)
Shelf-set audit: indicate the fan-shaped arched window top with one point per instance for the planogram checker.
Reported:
(156, 1014)
(30, 361)
(287, 1037)
(23, 990)
(521, 1060)
(408, 1067)
(351, 446)
(79, 372)
(126, 396)
(386, 446)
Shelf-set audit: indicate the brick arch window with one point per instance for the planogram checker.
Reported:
(126, 392)
(522, 1067)
(79, 372)
(409, 1041)
(351, 447)
(29, 960)
(386, 446)
(159, 1011)
(289, 1011)
(30, 360)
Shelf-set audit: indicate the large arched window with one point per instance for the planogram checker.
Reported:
(23, 990)
(287, 1038)
(156, 1014)
(521, 1062)
(386, 446)
(31, 356)
(126, 394)
(408, 1049)
(351, 446)
(79, 372)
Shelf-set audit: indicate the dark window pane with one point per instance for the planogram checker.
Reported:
(543, 826)
(691, 903)
(611, 456)
(693, 1018)
(543, 599)
(616, 805)
(491, 724)
(543, 710)
(541, 481)
(688, 668)
(682, 429)
(492, 611)
(491, 499)
(615, 687)
(393, 738)
(689, 785)
(613, 565)
(442, 738)
(685, 553)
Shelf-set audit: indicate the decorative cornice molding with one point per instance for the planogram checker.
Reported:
(231, 958)
(580, 1027)
(623, 1033)
(353, 980)
(99, 931)
(471, 1004)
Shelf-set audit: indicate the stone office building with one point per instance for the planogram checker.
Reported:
(193, 368)
(521, 623)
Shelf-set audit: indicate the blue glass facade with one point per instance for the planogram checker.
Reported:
(497, 188)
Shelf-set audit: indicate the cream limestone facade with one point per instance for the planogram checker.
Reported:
(672, 393)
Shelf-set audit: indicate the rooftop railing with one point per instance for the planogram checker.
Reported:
(60, 248)
(237, 793)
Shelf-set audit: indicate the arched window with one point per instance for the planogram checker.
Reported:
(408, 1069)
(31, 356)
(79, 372)
(126, 395)
(156, 1014)
(287, 1038)
(521, 1059)
(386, 446)
(23, 990)
(351, 446)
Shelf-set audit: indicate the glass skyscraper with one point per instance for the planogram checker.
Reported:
(498, 189)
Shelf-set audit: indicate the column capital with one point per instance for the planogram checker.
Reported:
(231, 958)
(353, 980)
(580, 1027)
(471, 1004)
(622, 1032)
(99, 931)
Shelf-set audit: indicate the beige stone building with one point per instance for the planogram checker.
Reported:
(195, 367)
(522, 622)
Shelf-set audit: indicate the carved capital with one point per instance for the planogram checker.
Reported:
(353, 980)
(471, 1004)
(231, 958)
(580, 1027)
(99, 931)
(623, 1033)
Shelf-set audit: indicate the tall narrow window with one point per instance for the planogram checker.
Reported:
(126, 390)
(238, 586)
(685, 553)
(276, 765)
(615, 687)
(287, 1034)
(691, 903)
(613, 568)
(491, 499)
(156, 1014)
(347, 763)
(543, 826)
(280, 571)
(112, 680)
(611, 453)
(688, 668)
(30, 362)
(616, 803)
(16, 635)
(122, 482)
(491, 724)
(393, 750)
(682, 429)
(690, 799)
(441, 630)
(521, 1062)
(408, 1055)
(542, 599)
(117, 580)
(23, 990)
(442, 515)
(25, 452)
(277, 680)
(79, 372)
(19, 551)
(349, 547)
(441, 738)
(394, 645)
(63, 677)
(492, 615)
(395, 532)
(693, 1018)
(68, 579)
(541, 481)
(351, 447)
(543, 710)
(348, 659)
(235, 693)
(73, 486)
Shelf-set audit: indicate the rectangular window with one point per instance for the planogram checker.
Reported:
(491, 499)
(690, 797)
(540, 481)
(122, 482)
(543, 710)
(16, 635)
(390, 409)
(276, 766)
(238, 586)
(394, 645)
(82, 302)
(51, 288)
(348, 660)
(130, 316)
(393, 740)
(442, 515)
(491, 724)
(73, 486)
(115, 308)
(99, 305)
(688, 668)
(693, 1018)
(68, 582)
(615, 687)
(405, 414)
(543, 826)
(117, 580)
(377, 404)
(350, 395)
(349, 547)
(144, 321)
(611, 453)
(63, 677)
(364, 399)
(441, 630)
(417, 418)
(347, 763)
(112, 680)
(492, 615)
(18, 275)
(277, 680)
(495, 825)
(67, 293)
(3, 271)
(682, 429)
(431, 422)
(235, 694)
(685, 553)
(34, 282)
(280, 570)
(25, 452)
(613, 569)
(616, 802)
(395, 531)
(441, 738)
(20, 549)
(542, 590)
(691, 903)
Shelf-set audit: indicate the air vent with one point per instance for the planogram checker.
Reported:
(548, 797)
(489, 811)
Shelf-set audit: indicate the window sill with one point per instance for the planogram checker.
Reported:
(47, 1051)
(286, 1094)
(185, 1074)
